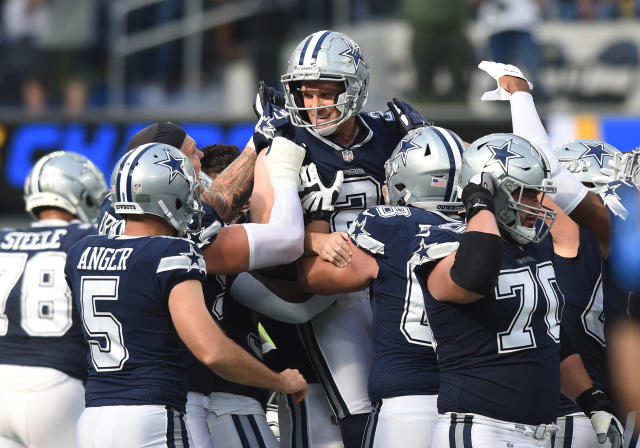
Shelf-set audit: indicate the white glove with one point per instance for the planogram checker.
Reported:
(625, 164)
(497, 70)
(314, 195)
(284, 159)
(607, 427)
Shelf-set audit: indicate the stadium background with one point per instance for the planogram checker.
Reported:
(85, 76)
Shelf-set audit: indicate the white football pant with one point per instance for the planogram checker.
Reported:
(39, 407)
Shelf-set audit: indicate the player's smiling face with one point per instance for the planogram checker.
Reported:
(318, 94)
(530, 198)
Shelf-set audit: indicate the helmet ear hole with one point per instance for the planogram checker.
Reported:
(400, 186)
(179, 204)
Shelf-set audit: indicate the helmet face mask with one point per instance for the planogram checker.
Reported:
(519, 167)
(423, 170)
(326, 56)
(68, 181)
(157, 179)
(586, 158)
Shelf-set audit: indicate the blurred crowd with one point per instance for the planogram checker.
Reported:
(55, 53)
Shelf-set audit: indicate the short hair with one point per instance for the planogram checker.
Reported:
(163, 132)
(217, 157)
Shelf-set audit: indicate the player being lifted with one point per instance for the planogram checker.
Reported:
(42, 353)
(140, 294)
(326, 86)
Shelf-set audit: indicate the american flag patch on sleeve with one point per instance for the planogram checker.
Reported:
(438, 182)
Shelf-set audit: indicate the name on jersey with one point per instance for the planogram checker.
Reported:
(49, 239)
(104, 259)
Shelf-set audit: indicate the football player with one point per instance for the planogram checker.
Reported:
(494, 309)
(227, 194)
(140, 297)
(219, 412)
(577, 256)
(388, 245)
(326, 86)
(575, 200)
(42, 353)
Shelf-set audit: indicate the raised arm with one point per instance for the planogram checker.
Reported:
(243, 247)
(231, 189)
(467, 274)
(572, 197)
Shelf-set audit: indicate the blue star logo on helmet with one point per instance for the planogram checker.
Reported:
(193, 258)
(353, 52)
(175, 165)
(595, 150)
(503, 154)
(407, 145)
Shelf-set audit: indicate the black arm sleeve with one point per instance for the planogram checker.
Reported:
(478, 262)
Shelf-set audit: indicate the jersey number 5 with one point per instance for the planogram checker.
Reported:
(108, 353)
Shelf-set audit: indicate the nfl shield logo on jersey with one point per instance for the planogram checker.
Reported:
(347, 155)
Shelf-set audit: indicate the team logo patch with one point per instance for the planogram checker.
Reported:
(347, 155)
(137, 188)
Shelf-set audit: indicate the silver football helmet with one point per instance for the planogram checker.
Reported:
(585, 158)
(68, 181)
(424, 168)
(327, 56)
(157, 179)
(517, 165)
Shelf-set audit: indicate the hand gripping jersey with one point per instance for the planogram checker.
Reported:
(400, 240)
(498, 356)
(580, 280)
(39, 324)
(121, 286)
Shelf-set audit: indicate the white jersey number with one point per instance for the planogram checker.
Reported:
(108, 352)
(593, 315)
(357, 195)
(415, 325)
(521, 284)
(45, 299)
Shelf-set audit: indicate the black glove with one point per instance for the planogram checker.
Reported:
(478, 194)
(265, 95)
(407, 117)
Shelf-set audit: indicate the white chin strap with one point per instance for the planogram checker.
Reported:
(328, 130)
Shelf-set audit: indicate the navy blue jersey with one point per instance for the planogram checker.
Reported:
(362, 161)
(622, 295)
(39, 326)
(400, 240)
(499, 356)
(580, 280)
(241, 325)
(121, 286)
